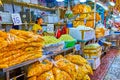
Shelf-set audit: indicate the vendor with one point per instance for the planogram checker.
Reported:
(37, 26)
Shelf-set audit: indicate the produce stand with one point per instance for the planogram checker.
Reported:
(25, 64)
(110, 41)
(30, 49)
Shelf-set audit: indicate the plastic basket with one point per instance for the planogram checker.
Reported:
(70, 43)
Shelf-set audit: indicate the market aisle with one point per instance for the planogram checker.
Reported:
(114, 70)
(106, 62)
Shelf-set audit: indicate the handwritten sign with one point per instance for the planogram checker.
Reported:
(16, 19)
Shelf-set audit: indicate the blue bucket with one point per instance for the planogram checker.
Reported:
(69, 25)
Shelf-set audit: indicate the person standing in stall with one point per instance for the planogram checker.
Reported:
(37, 28)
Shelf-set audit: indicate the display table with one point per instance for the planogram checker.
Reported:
(83, 42)
(110, 41)
(25, 64)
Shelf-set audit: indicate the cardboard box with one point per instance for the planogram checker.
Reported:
(51, 18)
(95, 63)
(25, 17)
(5, 17)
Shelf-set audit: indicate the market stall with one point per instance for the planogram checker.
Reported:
(36, 43)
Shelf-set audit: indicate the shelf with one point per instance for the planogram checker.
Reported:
(84, 41)
(18, 76)
(22, 64)
(60, 24)
(12, 24)
(88, 12)
(7, 24)
(44, 24)
(32, 61)
(28, 5)
(86, 20)
(22, 24)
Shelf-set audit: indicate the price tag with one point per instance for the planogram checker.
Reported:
(50, 28)
(16, 19)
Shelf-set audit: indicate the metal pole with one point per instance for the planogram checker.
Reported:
(30, 15)
(7, 75)
(95, 14)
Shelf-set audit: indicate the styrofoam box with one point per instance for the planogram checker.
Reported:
(34, 1)
(6, 17)
(95, 63)
(77, 34)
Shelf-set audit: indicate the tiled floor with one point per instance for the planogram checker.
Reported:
(114, 70)
(106, 62)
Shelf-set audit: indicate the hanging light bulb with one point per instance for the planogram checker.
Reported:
(112, 4)
(82, 0)
(69, 13)
(59, 0)
(0, 2)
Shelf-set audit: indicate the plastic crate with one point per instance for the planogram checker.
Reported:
(70, 43)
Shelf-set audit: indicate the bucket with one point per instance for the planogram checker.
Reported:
(69, 25)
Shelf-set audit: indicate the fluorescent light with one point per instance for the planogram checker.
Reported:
(112, 3)
(82, 0)
(59, 0)
(103, 6)
(92, 0)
